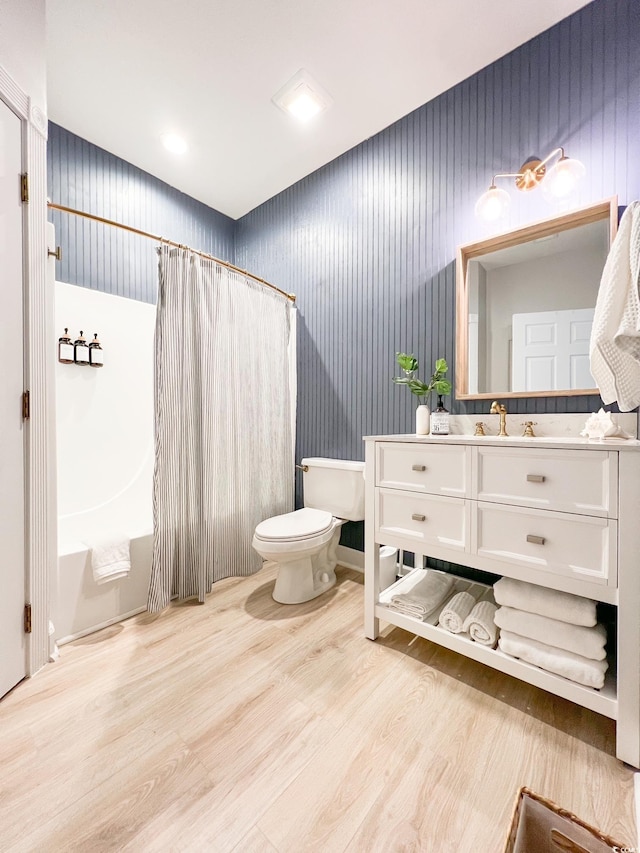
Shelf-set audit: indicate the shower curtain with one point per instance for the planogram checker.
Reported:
(223, 422)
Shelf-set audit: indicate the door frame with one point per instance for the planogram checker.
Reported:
(40, 481)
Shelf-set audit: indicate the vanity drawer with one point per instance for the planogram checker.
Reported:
(428, 468)
(577, 481)
(578, 546)
(422, 520)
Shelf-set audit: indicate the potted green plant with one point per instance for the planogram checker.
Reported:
(409, 366)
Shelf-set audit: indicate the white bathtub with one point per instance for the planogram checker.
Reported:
(83, 606)
(104, 424)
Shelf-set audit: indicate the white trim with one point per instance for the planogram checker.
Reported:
(350, 558)
(40, 447)
(636, 792)
(92, 630)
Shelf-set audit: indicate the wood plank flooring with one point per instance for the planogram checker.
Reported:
(247, 726)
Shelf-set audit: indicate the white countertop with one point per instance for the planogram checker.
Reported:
(570, 442)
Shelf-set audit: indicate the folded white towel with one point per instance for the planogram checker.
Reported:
(110, 559)
(456, 611)
(421, 593)
(481, 625)
(615, 334)
(588, 642)
(547, 602)
(574, 667)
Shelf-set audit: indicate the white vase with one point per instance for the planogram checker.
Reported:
(423, 418)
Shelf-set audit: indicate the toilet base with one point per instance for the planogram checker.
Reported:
(307, 577)
(296, 582)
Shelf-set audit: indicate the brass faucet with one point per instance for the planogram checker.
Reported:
(528, 429)
(500, 409)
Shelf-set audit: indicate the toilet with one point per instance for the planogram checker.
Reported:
(303, 543)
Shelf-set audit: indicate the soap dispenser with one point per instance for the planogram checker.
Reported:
(80, 350)
(65, 348)
(440, 419)
(96, 353)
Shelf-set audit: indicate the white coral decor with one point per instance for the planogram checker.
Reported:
(602, 425)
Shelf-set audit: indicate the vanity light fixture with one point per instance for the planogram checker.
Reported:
(302, 97)
(557, 182)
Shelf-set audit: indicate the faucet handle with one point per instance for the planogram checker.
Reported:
(528, 428)
(479, 428)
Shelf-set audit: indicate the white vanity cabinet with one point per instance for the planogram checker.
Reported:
(561, 513)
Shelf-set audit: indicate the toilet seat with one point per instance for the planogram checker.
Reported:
(295, 526)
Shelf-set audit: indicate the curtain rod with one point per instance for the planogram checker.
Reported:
(53, 206)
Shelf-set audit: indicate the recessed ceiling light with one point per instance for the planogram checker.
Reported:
(302, 97)
(174, 143)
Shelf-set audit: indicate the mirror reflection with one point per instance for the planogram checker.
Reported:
(527, 307)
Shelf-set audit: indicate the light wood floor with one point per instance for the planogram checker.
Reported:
(243, 725)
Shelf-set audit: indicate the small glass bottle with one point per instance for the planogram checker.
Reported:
(440, 419)
(96, 353)
(80, 350)
(65, 348)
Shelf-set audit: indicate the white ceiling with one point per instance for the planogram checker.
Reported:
(123, 72)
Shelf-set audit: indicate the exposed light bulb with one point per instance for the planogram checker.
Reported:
(492, 205)
(562, 178)
(174, 143)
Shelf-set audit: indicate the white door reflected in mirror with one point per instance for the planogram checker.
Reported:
(550, 350)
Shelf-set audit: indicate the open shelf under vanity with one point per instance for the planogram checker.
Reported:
(560, 514)
(602, 701)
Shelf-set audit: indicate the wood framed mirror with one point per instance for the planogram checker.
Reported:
(524, 306)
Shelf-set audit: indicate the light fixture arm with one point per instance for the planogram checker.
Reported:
(538, 169)
(559, 150)
(505, 175)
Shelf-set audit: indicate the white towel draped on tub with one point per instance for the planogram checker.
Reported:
(456, 611)
(481, 625)
(588, 642)
(574, 667)
(110, 559)
(564, 606)
(615, 335)
(420, 594)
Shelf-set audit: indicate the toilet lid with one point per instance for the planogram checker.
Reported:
(300, 524)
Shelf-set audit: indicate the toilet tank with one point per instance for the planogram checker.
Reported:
(335, 485)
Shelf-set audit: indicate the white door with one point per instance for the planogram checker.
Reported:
(551, 350)
(12, 451)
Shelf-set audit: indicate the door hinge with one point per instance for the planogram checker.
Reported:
(26, 406)
(24, 188)
(27, 618)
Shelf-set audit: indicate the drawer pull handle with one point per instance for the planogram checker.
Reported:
(535, 478)
(418, 467)
(418, 517)
(535, 540)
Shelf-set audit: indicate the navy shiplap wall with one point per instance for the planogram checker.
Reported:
(368, 242)
(87, 178)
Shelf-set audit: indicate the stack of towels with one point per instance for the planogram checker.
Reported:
(421, 594)
(555, 631)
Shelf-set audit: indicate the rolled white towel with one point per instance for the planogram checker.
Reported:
(421, 594)
(574, 667)
(563, 606)
(456, 611)
(588, 642)
(110, 559)
(481, 625)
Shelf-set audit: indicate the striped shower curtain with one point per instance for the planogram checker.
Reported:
(223, 423)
